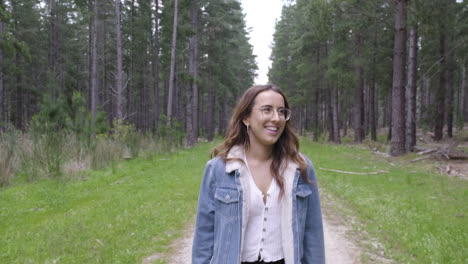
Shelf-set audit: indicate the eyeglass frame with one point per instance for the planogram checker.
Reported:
(286, 116)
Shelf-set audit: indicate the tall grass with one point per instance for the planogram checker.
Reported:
(119, 214)
(38, 154)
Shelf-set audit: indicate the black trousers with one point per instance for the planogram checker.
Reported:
(281, 261)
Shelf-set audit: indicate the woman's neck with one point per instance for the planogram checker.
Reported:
(259, 153)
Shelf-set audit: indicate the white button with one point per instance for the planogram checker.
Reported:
(227, 197)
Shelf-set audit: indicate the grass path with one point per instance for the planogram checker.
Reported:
(137, 208)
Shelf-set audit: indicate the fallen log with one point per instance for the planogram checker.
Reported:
(355, 173)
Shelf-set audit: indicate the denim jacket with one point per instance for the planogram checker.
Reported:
(223, 211)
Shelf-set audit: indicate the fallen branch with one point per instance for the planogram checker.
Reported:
(421, 158)
(428, 151)
(355, 173)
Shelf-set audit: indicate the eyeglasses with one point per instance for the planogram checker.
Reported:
(268, 112)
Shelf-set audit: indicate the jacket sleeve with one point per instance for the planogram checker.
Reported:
(314, 248)
(202, 248)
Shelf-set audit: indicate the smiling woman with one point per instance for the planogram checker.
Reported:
(259, 200)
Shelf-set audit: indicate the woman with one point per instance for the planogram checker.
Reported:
(259, 201)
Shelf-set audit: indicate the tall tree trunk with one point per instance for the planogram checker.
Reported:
(156, 67)
(210, 110)
(397, 143)
(334, 110)
(192, 102)
(411, 90)
(2, 90)
(440, 93)
(53, 49)
(94, 69)
(316, 115)
(329, 110)
(372, 108)
(19, 95)
(465, 91)
(172, 70)
(358, 95)
(450, 91)
(119, 92)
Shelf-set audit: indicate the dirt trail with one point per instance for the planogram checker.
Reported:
(338, 248)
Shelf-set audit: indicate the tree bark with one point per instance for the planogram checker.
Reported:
(210, 110)
(440, 93)
(53, 49)
(334, 110)
(94, 69)
(119, 114)
(192, 102)
(172, 70)
(19, 95)
(358, 110)
(2, 90)
(397, 143)
(156, 67)
(329, 113)
(411, 90)
(465, 91)
(450, 99)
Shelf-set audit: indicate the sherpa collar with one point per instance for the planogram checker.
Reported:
(237, 153)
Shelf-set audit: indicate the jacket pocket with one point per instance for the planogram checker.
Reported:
(303, 190)
(227, 202)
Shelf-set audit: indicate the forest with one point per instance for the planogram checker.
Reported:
(79, 76)
(366, 65)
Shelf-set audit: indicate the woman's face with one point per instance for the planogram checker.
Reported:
(265, 122)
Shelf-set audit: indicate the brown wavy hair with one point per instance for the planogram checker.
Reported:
(286, 148)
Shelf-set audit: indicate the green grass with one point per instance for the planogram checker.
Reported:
(117, 215)
(137, 208)
(419, 216)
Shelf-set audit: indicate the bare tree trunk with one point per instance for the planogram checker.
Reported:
(397, 143)
(358, 95)
(329, 112)
(172, 70)
(465, 90)
(53, 49)
(192, 103)
(316, 116)
(2, 90)
(156, 67)
(450, 91)
(440, 93)
(19, 95)
(411, 90)
(94, 69)
(210, 111)
(372, 109)
(334, 110)
(119, 115)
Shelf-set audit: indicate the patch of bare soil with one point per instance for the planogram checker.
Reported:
(346, 240)
(343, 244)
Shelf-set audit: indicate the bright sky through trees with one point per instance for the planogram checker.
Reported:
(260, 17)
